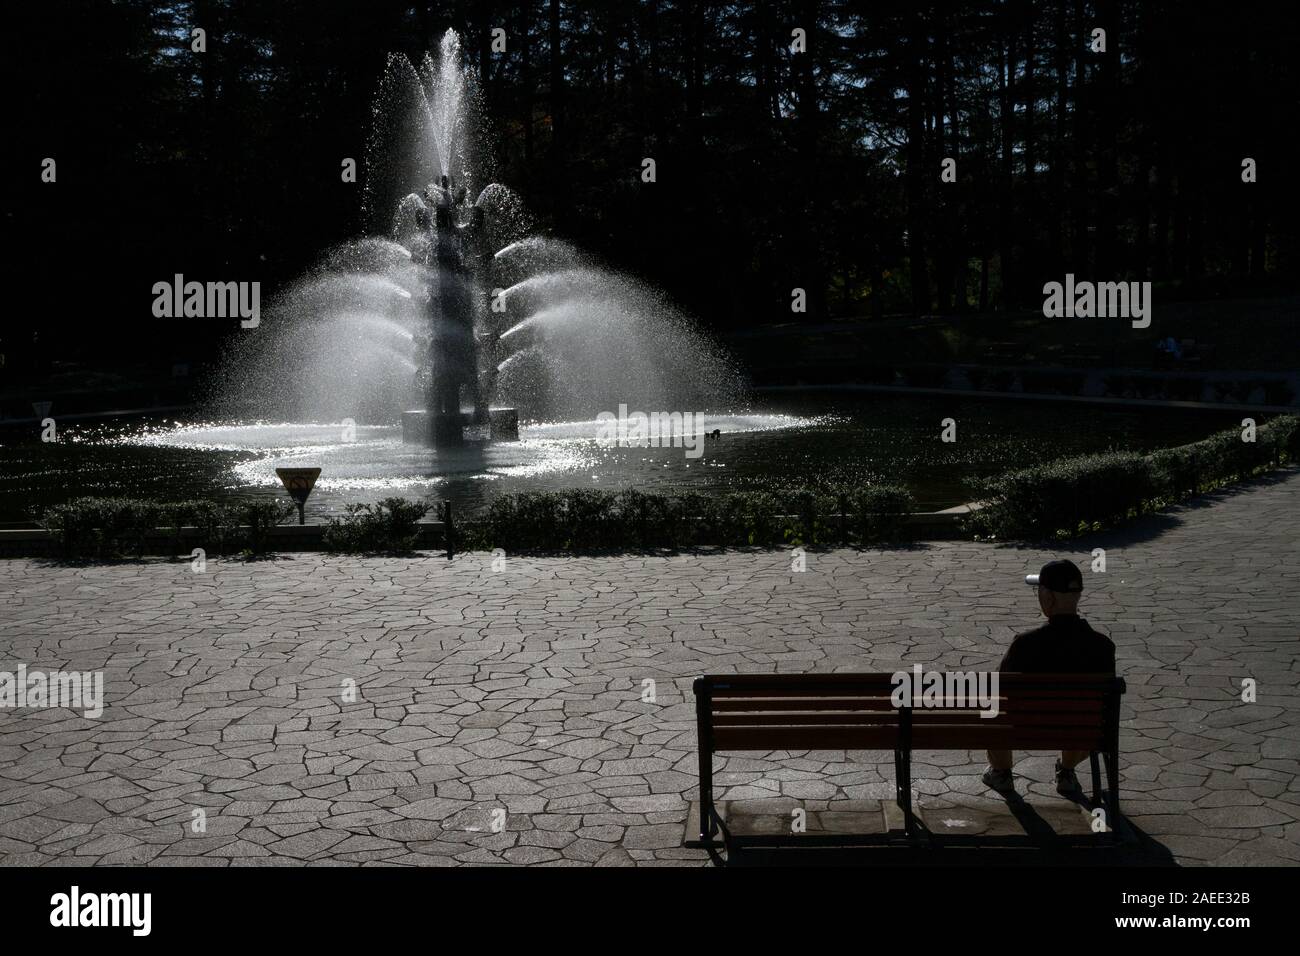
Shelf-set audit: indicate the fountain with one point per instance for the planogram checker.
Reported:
(456, 319)
(394, 362)
(450, 238)
(455, 342)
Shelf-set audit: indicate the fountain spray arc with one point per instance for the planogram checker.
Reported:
(453, 302)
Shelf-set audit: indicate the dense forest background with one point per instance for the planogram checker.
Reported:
(775, 169)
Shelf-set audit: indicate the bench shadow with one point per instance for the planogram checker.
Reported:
(1039, 845)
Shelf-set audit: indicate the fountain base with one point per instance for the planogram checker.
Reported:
(420, 427)
(504, 424)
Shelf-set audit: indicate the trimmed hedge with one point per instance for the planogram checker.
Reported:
(101, 527)
(391, 525)
(1076, 495)
(586, 520)
(107, 528)
(1188, 470)
(578, 520)
(214, 523)
(261, 515)
(1063, 494)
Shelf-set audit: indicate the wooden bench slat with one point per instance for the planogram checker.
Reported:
(1028, 707)
(1006, 738)
(934, 731)
(861, 679)
(815, 682)
(837, 718)
(1029, 719)
(953, 718)
(823, 737)
(827, 690)
(756, 705)
(810, 738)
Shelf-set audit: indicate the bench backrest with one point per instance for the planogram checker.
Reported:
(799, 711)
(857, 712)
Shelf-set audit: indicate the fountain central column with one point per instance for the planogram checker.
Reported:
(453, 356)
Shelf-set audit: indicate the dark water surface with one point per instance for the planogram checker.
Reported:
(859, 438)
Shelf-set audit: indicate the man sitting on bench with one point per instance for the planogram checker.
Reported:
(1066, 644)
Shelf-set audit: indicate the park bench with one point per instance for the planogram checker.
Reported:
(781, 712)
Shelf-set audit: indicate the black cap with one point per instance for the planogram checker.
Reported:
(1060, 576)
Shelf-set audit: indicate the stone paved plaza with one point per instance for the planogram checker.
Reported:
(521, 690)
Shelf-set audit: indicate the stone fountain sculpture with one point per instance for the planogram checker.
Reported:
(451, 243)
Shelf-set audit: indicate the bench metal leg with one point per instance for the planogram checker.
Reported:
(1096, 778)
(903, 788)
(708, 821)
(704, 742)
(1112, 792)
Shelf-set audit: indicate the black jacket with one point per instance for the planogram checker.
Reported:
(1066, 644)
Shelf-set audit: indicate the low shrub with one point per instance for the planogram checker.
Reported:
(809, 515)
(213, 523)
(744, 518)
(390, 525)
(584, 520)
(878, 513)
(106, 528)
(577, 520)
(650, 519)
(1063, 495)
(1189, 470)
(1085, 493)
(92, 527)
(260, 515)
(1282, 437)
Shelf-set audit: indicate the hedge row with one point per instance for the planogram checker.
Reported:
(1059, 498)
(576, 520)
(390, 525)
(118, 527)
(1075, 495)
(583, 520)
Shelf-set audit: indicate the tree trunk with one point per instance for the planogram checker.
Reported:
(1006, 90)
(812, 270)
(1258, 236)
(957, 236)
(1160, 255)
(916, 171)
(557, 90)
(1059, 202)
(946, 220)
(1029, 217)
(1079, 251)
(526, 79)
(1108, 266)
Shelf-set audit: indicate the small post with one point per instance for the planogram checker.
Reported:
(448, 531)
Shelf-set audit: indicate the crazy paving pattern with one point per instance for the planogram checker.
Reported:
(524, 690)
